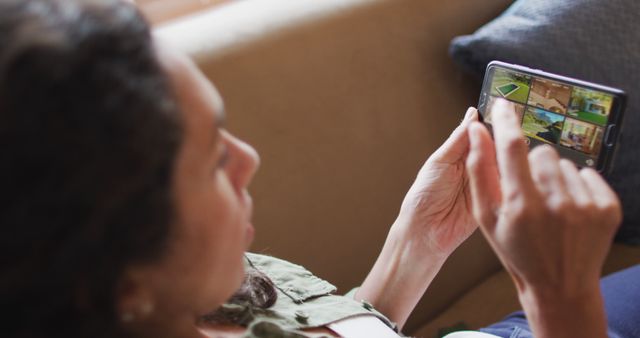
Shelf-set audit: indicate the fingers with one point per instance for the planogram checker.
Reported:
(587, 188)
(574, 183)
(484, 181)
(547, 174)
(471, 111)
(600, 191)
(457, 145)
(604, 197)
(511, 151)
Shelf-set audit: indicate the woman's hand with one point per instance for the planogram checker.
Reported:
(550, 224)
(437, 208)
(434, 219)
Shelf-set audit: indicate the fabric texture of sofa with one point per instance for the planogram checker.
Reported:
(344, 100)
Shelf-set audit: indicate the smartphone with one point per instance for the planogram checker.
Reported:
(581, 120)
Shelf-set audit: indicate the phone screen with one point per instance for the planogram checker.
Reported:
(573, 118)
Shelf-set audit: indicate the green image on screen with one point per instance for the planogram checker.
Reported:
(507, 89)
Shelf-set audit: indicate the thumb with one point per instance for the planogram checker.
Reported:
(484, 180)
(457, 145)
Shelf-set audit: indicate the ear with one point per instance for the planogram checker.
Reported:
(134, 296)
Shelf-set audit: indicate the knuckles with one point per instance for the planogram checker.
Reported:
(558, 210)
(563, 212)
(559, 204)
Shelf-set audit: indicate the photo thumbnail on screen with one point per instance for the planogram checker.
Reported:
(510, 85)
(542, 125)
(519, 108)
(549, 95)
(590, 105)
(582, 136)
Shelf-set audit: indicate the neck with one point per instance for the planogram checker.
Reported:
(157, 327)
(222, 331)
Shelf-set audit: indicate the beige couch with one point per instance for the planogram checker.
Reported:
(344, 100)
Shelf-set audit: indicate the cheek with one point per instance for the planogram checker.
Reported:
(213, 244)
(225, 228)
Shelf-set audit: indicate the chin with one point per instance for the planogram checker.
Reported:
(224, 284)
(222, 296)
(236, 277)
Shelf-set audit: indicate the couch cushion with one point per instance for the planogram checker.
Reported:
(591, 40)
(496, 297)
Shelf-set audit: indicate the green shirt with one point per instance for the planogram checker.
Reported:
(304, 301)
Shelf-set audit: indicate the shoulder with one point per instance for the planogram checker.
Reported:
(293, 280)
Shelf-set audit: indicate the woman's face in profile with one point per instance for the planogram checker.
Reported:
(212, 229)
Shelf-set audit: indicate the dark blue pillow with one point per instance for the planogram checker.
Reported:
(593, 40)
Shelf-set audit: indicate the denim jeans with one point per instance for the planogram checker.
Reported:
(621, 292)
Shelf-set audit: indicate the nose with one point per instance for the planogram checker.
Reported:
(243, 164)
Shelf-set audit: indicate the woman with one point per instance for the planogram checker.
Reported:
(125, 205)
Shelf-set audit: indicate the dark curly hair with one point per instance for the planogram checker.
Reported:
(89, 131)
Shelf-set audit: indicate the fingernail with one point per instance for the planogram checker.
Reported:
(469, 114)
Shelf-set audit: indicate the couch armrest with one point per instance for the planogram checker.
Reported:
(344, 100)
